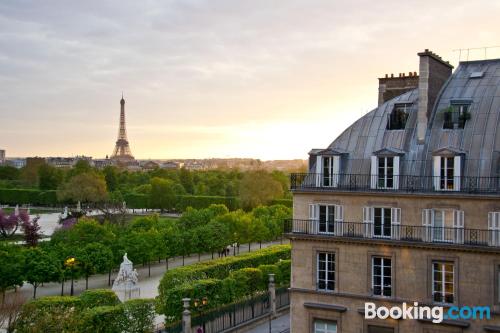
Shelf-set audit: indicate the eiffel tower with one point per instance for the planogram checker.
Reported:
(122, 151)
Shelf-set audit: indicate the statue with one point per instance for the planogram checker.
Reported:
(78, 207)
(125, 284)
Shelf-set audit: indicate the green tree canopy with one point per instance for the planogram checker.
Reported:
(84, 187)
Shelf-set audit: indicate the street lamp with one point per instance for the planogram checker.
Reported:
(70, 263)
(201, 304)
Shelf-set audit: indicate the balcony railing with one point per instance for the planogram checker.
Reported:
(400, 233)
(400, 183)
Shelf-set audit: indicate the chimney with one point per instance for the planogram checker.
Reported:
(392, 86)
(433, 73)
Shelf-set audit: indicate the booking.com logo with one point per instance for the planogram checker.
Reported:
(436, 313)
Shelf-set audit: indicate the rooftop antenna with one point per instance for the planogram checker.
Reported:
(485, 48)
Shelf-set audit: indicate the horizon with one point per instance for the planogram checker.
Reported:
(212, 80)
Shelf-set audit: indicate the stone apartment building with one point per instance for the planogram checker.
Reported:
(404, 206)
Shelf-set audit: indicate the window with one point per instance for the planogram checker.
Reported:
(323, 326)
(498, 284)
(326, 271)
(444, 225)
(494, 228)
(456, 115)
(447, 173)
(382, 222)
(327, 170)
(443, 286)
(326, 219)
(380, 329)
(382, 276)
(385, 172)
(398, 117)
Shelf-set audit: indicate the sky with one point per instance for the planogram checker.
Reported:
(266, 79)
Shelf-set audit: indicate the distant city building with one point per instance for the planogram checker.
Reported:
(2, 156)
(171, 165)
(150, 165)
(102, 163)
(67, 162)
(17, 163)
(122, 153)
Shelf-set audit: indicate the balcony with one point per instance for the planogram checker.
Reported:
(396, 233)
(400, 183)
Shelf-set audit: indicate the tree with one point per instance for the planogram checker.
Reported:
(84, 232)
(259, 188)
(8, 224)
(84, 187)
(162, 194)
(29, 174)
(49, 177)
(31, 229)
(11, 267)
(186, 179)
(39, 267)
(94, 258)
(111, 177)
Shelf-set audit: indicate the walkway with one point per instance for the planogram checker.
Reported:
(148, 285)
(278, 325)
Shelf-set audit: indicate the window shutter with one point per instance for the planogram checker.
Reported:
(396, 172)
(374, 172)
(494, 228)
(437, 173)
(319, 165)
(368, 221)
(458, 225)
(335, 170)
(396, 223)
(427, 222)
(313, 219)
(457, 166)
(339, 219)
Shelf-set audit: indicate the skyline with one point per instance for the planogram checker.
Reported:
(212, 79)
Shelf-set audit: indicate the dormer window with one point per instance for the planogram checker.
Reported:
(398, 117)
(447, 172)
(456, 115)
(327, 170)
(385, 169)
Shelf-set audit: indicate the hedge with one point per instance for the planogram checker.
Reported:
(270, 269)
(285, 267)
(56, 314)
(285, 202)
(98, 297)
(220, 268)
(214, 276)
(53, 314)
(28, 196)
(137, 201)
(103, 319)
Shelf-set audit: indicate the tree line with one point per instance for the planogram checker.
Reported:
(85, 183)
(88, 247)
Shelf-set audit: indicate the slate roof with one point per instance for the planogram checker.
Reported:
(479, 141)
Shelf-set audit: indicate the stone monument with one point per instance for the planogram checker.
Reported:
(125, 284)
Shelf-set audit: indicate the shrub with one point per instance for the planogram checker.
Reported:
(103, 319)
(52, 314)
(248, 281)
(269, 269)
(98, 297)
(284, 267)
(220, 268)
(140, 315)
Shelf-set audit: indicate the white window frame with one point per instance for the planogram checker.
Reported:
(369, 222)
(494, 229)
(442, 282)
(338, 218)
(327, 175)
(382, 276)
(443, 233)
(321, 326)
(375, 174)
(440, 163)
(330, 257)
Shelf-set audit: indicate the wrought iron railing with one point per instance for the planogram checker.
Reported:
(397, 183)
(395, 232)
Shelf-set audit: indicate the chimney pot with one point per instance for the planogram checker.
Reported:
(392, 75)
